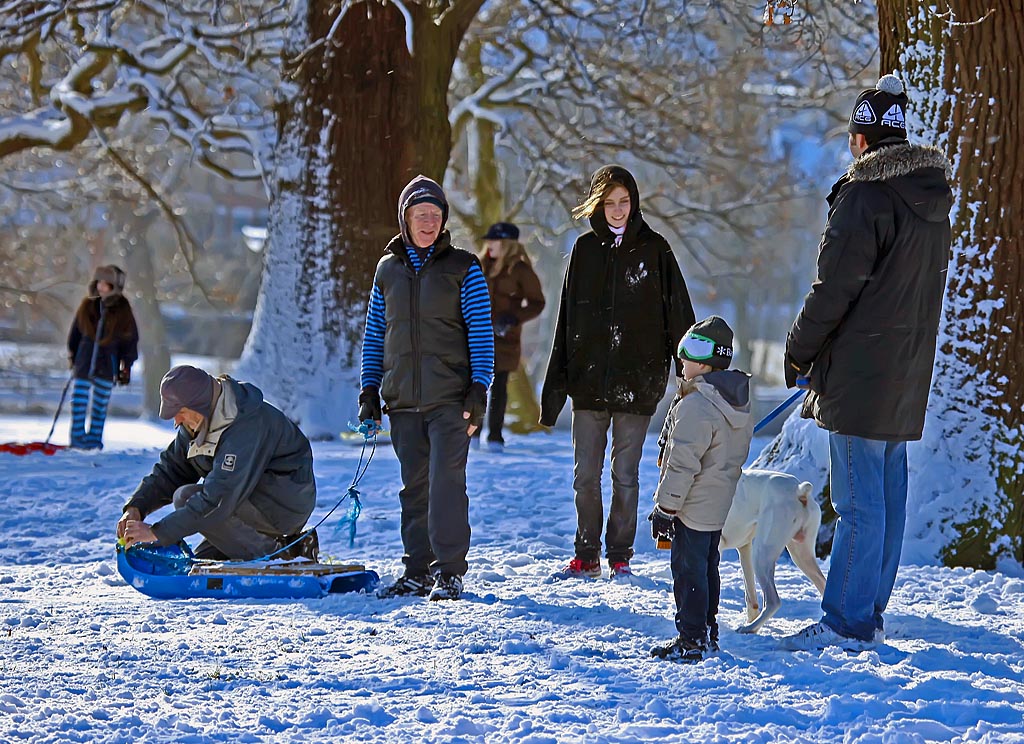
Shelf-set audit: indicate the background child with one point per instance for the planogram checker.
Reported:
(623, 307)
(707, 436)
(102, 346)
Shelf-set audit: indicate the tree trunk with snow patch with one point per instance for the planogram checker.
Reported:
(968, 97)
(364, 117)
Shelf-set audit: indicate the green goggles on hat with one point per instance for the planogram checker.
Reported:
(696, 348)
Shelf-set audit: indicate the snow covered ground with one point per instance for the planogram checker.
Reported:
(88, 659)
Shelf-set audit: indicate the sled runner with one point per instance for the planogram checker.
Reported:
(27, 448)
(173, 573)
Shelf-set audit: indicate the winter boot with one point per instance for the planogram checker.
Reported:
(408, 586)
(446, 586)
(681, 649)
(308, 547)
(713, 646)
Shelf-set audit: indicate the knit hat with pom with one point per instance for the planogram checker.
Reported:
(881, 112)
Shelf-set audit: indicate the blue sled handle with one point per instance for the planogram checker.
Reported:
(368, 428)
(777, 410)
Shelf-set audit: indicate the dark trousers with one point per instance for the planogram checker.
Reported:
(245, 535)
(589, 440)
(432, 448)
(497, 404)
(696, 582)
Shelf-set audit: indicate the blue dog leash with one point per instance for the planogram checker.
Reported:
(778, 409)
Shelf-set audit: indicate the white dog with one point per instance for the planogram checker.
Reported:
(771, 511)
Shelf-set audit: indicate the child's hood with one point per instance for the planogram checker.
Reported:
(729, 391)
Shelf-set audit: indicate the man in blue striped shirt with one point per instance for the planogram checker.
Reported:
(428, 351)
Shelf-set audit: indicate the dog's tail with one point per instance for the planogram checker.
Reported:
(803, 493)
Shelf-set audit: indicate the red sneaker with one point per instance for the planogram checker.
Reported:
(621, 569)
(580, 569)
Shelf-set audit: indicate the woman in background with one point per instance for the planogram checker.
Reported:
(516, 297)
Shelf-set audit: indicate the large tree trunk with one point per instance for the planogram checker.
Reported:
(962, 65)
(156, 354)
(966, 501)
(365, 118)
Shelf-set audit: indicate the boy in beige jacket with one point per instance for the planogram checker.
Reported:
(706, 439)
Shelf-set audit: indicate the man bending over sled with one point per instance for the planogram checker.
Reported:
(256, 468)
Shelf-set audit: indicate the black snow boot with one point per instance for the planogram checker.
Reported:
(681, 649)
(713, 646)
(408, 586)
(446, 586)
(308, 547)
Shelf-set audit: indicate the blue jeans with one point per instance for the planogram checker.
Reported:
(868, 479)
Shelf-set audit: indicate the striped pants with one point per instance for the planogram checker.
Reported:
(100, 389)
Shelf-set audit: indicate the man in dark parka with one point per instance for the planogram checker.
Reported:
(865, 339)
(256, 468)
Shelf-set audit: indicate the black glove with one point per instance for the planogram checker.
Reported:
(663, 525)
(369, 404)
(124, 376)
(503, 324)
(476, 404)
(795, 370)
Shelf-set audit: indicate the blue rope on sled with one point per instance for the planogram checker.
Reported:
(369, 430)
(177, 560)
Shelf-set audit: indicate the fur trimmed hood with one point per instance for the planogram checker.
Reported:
(887, 163)
(919, 174)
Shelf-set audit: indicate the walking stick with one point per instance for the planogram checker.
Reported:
(63, 395)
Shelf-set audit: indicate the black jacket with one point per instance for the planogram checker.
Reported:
(119, 338)
(868, 326)
(258, 456)
(426, 345)
(621, 315)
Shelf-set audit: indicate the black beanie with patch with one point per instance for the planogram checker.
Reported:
(881, 112)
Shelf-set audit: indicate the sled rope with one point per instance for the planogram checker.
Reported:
(355, 506)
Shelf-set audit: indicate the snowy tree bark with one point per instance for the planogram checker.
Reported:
(155, 350)
(962, 63)
(367, 112)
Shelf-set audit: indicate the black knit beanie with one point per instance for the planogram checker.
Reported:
(708, 341)
(881, 112)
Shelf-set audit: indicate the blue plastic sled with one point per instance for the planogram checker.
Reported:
(172, 573)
